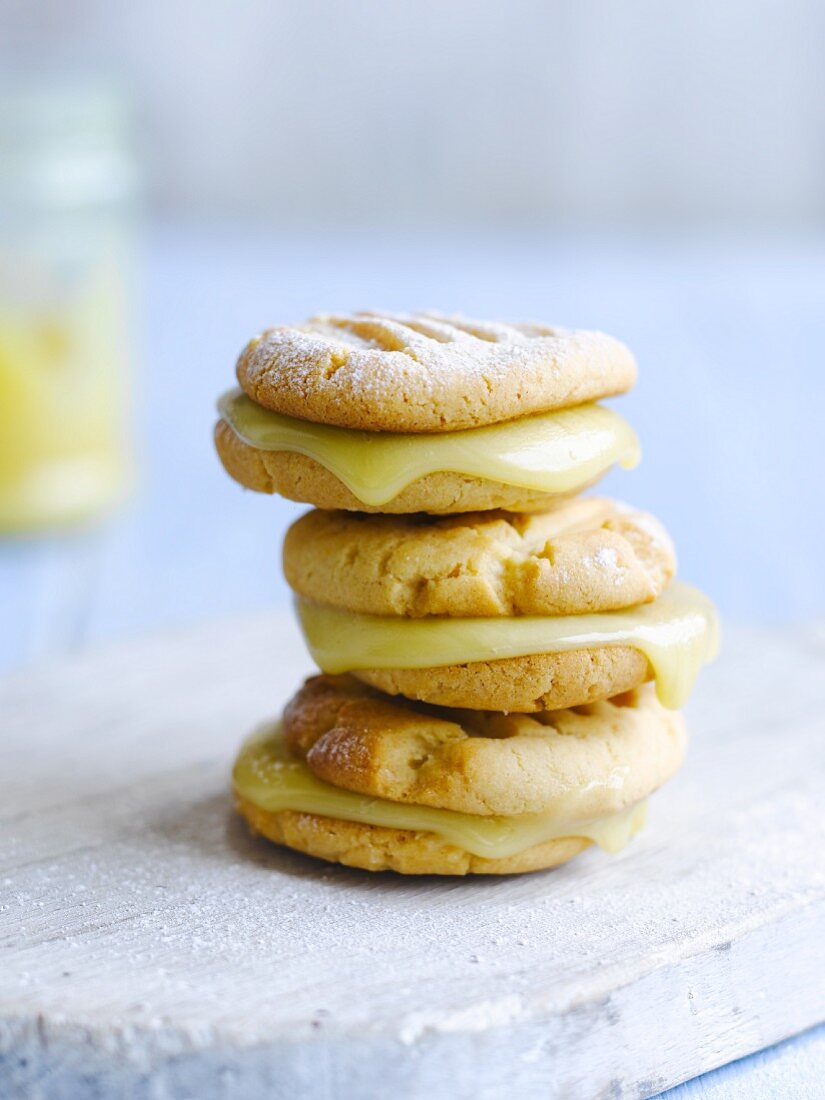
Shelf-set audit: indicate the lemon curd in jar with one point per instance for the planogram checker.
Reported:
(62, 369)
(66, 232)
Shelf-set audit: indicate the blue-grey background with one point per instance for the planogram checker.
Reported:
(603, 112)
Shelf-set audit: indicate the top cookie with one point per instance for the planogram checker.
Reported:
(423, 372)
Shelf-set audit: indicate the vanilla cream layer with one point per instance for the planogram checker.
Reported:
(678, 633)
(266, 775)
(556, 452)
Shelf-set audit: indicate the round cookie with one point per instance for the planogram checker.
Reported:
(300, 478)
(581, 764)
(525, 685)
(423, 372)
(582, 555)
(377, 848)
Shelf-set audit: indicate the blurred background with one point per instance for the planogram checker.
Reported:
(474, 112)
(176, 175)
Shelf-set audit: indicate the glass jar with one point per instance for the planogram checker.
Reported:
(67, 199)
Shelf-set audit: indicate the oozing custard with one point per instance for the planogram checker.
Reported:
(268, 776)
(678, 633)
(555, 452)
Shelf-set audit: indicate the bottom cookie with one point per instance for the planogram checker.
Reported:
(352, 776)
(378, 848)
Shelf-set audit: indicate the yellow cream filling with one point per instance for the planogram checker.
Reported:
(556, 452)
(678, 633)
(268, 776)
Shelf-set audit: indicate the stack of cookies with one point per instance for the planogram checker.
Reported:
(502, 660)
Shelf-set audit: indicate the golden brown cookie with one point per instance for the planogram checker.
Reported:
(524, 685)
(299, 478)
(583, 763)
(377, 848)
(582, 555)
(423, 372)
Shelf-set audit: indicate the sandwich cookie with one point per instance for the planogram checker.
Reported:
(418, 413)
(501, 612)
(356, 778)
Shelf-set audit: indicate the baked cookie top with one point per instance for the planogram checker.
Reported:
(580, 556)
(424, 372)
(586, 762)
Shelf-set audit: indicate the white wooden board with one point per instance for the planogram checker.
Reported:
(150, 948)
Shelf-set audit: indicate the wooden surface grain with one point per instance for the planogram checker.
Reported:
(151, 948)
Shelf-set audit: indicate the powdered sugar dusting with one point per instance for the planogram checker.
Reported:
(427, 371)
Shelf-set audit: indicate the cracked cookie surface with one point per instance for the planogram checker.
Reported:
(583, 763)
(583, 555)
